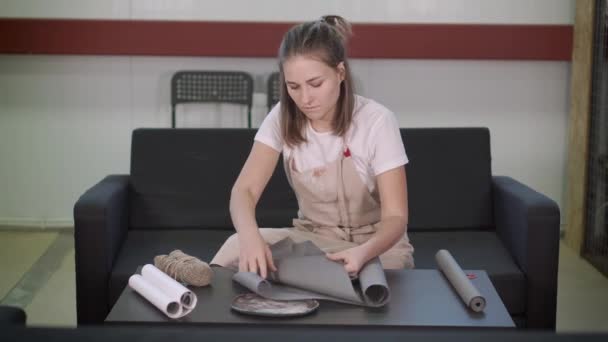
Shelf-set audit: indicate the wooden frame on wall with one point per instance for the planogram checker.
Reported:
(578, 123)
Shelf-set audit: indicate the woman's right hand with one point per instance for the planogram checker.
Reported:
(254, 254)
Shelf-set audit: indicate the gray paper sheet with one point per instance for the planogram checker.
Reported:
(304, 272)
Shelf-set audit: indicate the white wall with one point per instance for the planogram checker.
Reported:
(416, 11)
(65, 121)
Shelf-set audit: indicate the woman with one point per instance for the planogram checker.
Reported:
(344, 159)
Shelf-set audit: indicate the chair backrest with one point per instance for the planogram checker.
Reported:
(212, 86)
(274, 89)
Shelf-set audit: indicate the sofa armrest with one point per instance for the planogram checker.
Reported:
(11, 315)
(100, 225)
(528, 224)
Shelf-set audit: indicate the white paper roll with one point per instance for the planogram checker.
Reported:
(168, 295)
(170, 286)
(456, 276)
(154, 295)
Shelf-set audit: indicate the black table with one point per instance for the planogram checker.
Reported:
(419, 298)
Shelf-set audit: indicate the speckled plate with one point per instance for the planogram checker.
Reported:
(253, 304)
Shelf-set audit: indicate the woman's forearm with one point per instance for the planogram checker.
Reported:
(391, 230)
(242, 211)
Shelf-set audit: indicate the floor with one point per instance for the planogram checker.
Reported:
(38, 275)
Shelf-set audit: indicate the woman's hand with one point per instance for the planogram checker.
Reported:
(353, 259)
(255, 255)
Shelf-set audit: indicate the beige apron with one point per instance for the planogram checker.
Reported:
(337, 212)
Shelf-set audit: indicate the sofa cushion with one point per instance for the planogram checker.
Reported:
(449, 173)
(475, 250)
(141, 246)
(183, 178)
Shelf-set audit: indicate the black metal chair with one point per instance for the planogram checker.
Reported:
(274, 89)
(211, 86)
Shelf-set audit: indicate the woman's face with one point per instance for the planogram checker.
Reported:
(313, 86)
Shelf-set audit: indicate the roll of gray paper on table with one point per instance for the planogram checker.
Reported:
(456, 276)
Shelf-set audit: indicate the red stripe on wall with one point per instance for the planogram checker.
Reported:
(256, 39)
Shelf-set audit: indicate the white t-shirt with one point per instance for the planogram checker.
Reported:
(373, 139)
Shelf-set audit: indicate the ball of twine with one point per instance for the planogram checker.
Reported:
(184, 268)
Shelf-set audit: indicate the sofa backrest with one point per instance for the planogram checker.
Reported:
(182, 178)
(448, 178)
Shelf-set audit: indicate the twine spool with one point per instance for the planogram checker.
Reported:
(184, 268)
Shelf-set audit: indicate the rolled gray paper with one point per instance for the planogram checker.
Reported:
(456, 276)
(304, 272)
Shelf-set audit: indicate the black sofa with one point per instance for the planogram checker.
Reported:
(176, 197)
(12, 316)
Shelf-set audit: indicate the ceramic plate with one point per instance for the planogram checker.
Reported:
(253, 304)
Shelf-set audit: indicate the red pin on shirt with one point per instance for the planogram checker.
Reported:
(347, 153)
(471, 276)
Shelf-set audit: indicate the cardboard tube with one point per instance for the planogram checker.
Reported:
(172, 298)
(164, 303)
(463, 286)
(170, 286)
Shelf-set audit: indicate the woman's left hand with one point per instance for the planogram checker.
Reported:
(353, 259)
